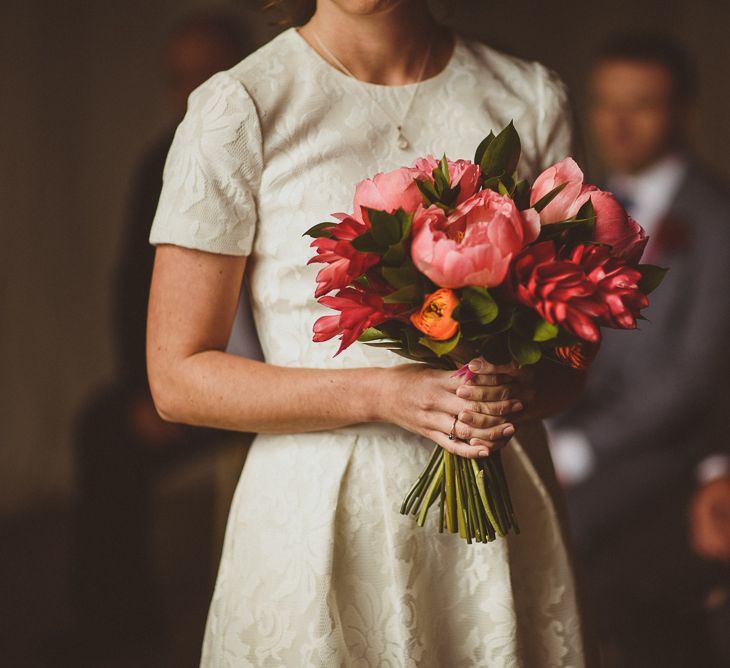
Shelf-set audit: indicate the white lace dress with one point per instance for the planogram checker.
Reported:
(319, 568)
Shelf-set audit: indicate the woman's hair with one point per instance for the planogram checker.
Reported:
(290, 12)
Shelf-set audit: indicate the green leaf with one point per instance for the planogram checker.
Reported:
(503, 189)
(502, 154)
(401, 277)
(385, 227)
(320, 230)
(580, 229)
(444, 167)
(479, 154)
(441, 348)
(409, 294)
(546, 199)
(395, 255)
(651, 277)
(587, 212)
(366, 244)
(427, 190)
(406, 220)
(492, 183)
(521, 195)
(481, 304)
(371, 334)
(523, 351)
(545, 331)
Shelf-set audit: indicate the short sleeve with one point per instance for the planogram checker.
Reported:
(557, 134)
(212, 172)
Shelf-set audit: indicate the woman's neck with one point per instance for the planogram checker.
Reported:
(385, 47)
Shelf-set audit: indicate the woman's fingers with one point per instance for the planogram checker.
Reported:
(491, 414)
(457, 447)
(480, 366)
(480, 441)
(486, 436)
(488, 393)
(492, 379)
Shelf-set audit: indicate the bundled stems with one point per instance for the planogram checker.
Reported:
(472, 496)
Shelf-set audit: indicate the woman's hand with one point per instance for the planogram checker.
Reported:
(481, 413)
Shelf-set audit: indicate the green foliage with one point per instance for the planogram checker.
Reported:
(651, 277)
(386, 236)
(371, 334)
(545, 331)
(521, 195)
(320, 230)
(441, 348)
(580, 229)
(502, 154)
(546, 199)
(483, 145)
(400, 277)
(480, 303)
(525, 352)
(410, 294)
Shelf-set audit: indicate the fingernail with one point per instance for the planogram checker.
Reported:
(508, 430)
(517, 406)
(484, 453)
(475, 365)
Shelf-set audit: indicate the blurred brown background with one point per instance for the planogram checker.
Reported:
(82, 96)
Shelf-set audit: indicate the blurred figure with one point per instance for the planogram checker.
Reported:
(630, 451)
(122, 445)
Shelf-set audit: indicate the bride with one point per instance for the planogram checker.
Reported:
(319, 568)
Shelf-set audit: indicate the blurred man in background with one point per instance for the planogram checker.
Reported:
(122, 445)
(652, 425)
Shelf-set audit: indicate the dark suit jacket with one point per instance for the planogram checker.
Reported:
(657, 399)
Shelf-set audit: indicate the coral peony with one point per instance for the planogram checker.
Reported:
(387, 191)
(358, 311)
(587, 289)
(435, 316)
(613, 225)
(463, 173)
(475, 244)
(344, 263)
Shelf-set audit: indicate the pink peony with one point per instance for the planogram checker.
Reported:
(344, 263)
(462, 172)
(475, 244)
(613, 225)
(568, 201)
(387, 191)
(358, 311)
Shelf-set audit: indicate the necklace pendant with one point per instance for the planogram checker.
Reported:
(403, 143)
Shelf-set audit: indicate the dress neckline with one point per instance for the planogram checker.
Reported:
(326, 66)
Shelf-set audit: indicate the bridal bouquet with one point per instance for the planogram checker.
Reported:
(443, 261)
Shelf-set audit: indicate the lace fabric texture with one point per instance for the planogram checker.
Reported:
(319, 568)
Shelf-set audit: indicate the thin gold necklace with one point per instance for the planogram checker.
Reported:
(400, 138)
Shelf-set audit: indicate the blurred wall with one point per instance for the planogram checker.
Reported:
(81, 97)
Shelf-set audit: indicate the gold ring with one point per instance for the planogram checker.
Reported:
(452, 435)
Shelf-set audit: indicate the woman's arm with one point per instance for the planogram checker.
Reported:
(193, 299)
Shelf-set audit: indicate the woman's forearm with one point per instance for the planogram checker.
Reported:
(216, 389)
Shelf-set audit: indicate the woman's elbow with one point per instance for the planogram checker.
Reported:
(166, 398)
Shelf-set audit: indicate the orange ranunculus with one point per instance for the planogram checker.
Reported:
(434, 319)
